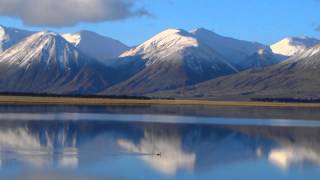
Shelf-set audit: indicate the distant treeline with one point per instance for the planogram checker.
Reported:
(288, 100)
(75, 95)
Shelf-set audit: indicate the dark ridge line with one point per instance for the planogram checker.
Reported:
(288, 100)
(78, 96)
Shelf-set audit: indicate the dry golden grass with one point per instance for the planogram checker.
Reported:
(29, 100)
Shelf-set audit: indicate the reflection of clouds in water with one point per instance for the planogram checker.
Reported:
(211, 147)
(69, 158)
(293, 155)
(21, 145)
(41, 175)
(287, 147)
(18, 138)
(172, 158)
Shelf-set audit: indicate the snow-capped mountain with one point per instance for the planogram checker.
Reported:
(46, 63)
(234, 50)
(293, 45)
(11, 36)
(97, 46)
(296, 77)
(171, 59)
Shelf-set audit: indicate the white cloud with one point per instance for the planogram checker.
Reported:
(57, 13)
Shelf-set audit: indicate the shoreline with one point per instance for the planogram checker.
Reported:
(78, 101)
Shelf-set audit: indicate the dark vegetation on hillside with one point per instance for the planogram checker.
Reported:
(76, 96)
(288, 100)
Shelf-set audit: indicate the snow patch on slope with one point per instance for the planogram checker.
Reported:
(73, 38)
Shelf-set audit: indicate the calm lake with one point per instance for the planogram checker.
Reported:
(154, 142)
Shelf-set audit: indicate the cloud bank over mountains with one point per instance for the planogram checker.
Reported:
(53, 13)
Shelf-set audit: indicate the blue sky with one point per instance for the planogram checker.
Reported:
(255, 20)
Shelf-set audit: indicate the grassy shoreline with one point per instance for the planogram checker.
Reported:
(79, 101)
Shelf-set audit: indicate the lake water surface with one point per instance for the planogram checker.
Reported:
(158, 143)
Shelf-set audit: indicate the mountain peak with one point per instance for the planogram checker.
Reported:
(303, 41)
(202, 31)
(291, 46)
(88, 32)
(46, 34)
(11, 36)
(45, 39)
(234, 50)
(165, 43)
(172, 31)
(75, 38)
(47, 47)
(95, 45)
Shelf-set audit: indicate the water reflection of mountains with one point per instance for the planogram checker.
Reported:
(183, 147)
(214, 111)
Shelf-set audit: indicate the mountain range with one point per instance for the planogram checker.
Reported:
(46, 63)
(174, 63)
(294, 78)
